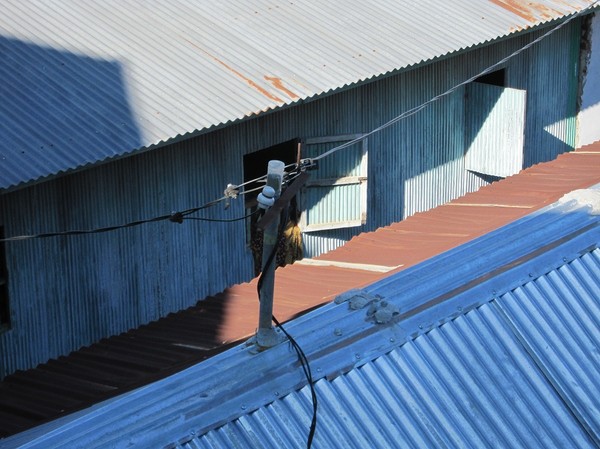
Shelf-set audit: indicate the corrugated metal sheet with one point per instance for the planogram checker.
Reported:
(413, 166)
(419, 163)
(557, 319)
(87, 81)
(518, 371)
(469, 383)
(495, 129)
(341, 180)
(551, 114)
(448, 312)
(110, 366)
(59, 313)
(77, 290)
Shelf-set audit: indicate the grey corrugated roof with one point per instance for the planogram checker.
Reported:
(469, 383)
(499, 350)
(520, 370)
(83, 81)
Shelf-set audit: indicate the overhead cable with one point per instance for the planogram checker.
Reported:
(422, 106)
(175, 217)
(233, 190)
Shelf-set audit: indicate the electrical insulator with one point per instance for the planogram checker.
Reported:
(266, 198)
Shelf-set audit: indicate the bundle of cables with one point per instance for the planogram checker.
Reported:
(301, 355)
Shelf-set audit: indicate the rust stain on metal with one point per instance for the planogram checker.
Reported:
(530, 11)
(240, 75)
(278, 84)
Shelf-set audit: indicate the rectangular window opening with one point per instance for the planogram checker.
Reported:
(335, 197)
(494, 127)
(496, 78)
(255, 166)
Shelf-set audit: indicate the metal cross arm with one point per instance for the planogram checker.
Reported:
(282, 201)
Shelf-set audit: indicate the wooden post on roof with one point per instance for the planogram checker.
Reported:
(266, 336)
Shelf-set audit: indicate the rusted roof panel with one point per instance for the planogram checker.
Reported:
(163, 347)
(86, 81)
(532, 11)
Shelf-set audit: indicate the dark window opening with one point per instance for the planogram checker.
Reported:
(497, 78)
(4, 306)
(255, 166)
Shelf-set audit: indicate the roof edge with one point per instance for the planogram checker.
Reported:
(317, 96)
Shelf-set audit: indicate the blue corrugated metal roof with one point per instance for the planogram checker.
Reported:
(495, 346)
(519, 370)
(469, 383)
(82, 81)
(556, 317)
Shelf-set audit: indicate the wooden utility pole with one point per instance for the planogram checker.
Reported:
(266, 336)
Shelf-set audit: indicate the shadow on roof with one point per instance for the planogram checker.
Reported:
(59, 110)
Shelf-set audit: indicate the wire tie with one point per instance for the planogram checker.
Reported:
(231, 191)
(176, 217)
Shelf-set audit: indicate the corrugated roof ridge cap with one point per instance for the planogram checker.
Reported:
(589, 199)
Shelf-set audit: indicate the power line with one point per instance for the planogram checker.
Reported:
(232, 191)
(175, 217)
(223, 220)
(422, 106)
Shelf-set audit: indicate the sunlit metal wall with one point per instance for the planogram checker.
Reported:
(67, 292)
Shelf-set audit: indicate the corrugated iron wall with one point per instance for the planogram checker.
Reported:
(424, 153)
(548, 71)
(70, 291)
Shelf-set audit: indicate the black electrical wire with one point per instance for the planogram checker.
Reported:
(175, 217)
(308, 373)
(301, 355)
(223, 220)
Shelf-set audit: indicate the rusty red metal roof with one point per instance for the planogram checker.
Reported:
(413, 240)
(156, 350)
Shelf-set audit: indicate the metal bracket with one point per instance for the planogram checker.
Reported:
(282, 201)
